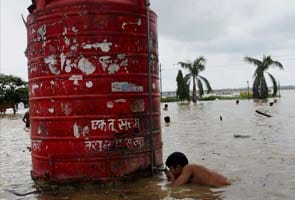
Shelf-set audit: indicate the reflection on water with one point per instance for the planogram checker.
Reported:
(260, 165)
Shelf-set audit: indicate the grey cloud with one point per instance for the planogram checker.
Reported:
(228, 26)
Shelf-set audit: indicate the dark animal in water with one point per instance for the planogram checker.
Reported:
(6, 105)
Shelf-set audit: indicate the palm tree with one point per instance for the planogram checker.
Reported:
(194, 70)
(260, 89)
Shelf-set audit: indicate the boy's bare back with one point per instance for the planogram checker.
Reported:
(193, 173)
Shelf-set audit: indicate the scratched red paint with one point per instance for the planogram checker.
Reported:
(88, 87)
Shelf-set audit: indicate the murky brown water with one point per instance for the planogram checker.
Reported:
(261, 166)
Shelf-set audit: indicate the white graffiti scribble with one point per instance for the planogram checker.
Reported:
(115, 125)
(114, 144)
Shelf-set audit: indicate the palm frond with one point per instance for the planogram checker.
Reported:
(263, 89)
(185, 65)
(274, 83)
(208, 86)
(199, 63)
(278, 64)
(252, 61)
(200, 87)
(187, 79)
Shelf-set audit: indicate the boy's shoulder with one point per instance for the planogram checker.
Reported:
(193, 166)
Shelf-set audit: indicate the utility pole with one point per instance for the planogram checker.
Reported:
(161, 81)
(279, 89)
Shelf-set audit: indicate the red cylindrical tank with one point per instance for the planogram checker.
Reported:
(89, 89)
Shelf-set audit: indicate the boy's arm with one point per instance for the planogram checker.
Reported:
(184, 177)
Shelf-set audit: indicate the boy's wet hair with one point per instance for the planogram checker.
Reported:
(176, 158)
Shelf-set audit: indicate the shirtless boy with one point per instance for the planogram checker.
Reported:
(26, 119)
(180, 172)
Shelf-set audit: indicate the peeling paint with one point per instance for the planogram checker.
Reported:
(120, 101)
(74, 29)
(121, 56)
(85, 131)
(65, 31)
(33, 69)
(89, 84)
(51, 110)
(113, 66)
(34, 87)
(66, 108)
(70, 65)
(52, 82)
(41, 32)
(154, 86)
(104, 61)
(76, 130)
(39, 130)
(86, 66)
(62, 60)
(36, 145)
(67, 41)
(76, 79)
(110, 104)
(137, 105)
(138, 23)
(104, 46)
(75, 45)
(51, 62)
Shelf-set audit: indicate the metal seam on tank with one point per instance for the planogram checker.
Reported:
(82, 139)
(42, 98)
(135, 54)
(95, 75)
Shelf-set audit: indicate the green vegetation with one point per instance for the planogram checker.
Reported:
(182, 91)
(260, 89)
(169, 99)
(194, 69)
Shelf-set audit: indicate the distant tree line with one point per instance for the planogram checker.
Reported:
(260, 88)
(13, 90)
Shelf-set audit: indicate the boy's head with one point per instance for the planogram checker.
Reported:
(175, 162)
(176, 158)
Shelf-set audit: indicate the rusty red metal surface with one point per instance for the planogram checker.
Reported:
(88, 88)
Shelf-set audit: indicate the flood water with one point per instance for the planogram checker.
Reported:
(261, 165)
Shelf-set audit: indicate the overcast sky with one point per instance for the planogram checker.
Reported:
(222, 31)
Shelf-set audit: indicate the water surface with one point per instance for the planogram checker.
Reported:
(261, 165)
